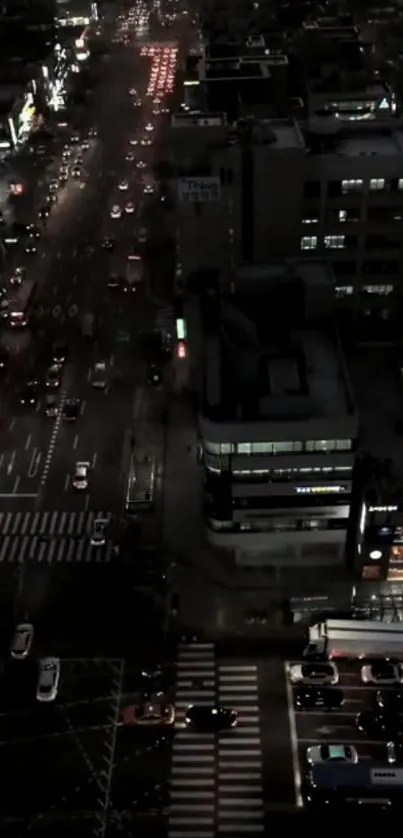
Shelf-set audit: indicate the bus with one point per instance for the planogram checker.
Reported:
(342, 783)
(140, 492)
(134, 270)
(19, 304)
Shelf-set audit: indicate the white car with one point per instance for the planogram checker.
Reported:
(99, 378)
(383, 673)
(22, 641)
(80, 479)
(130, 156)
(133, 141)
(148, 189)
(98, 535)
(331, 753)
(146, 141)
(149, 126)
(17, 276)
(116, 211)
(129, 207)
(133, 91)
(48, 679)
(123, 185)
(141, 164)
(315, 674)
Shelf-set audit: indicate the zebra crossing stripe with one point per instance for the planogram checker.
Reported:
(51, 538)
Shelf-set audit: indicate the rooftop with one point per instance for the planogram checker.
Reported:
(264, 363)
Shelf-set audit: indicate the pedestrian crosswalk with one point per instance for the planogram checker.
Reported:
(51, 537)
(216, 780)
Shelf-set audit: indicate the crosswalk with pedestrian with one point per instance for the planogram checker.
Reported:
(51, 537)
(216, 780)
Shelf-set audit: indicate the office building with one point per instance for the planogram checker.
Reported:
(327, 188)
(278, 424)
(27, 30)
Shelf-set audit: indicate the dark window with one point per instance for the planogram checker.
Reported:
(312, 189)
(377, 242)
(379, 266)
(344, 268)
(334, 189)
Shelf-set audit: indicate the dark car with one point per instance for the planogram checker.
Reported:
(4, 358)
(29, 394)
(311, 698)
(51, 405)
(108, 244)
(44, 212)
(390, 701)
(153, 375)
(71, 410)
(210, 718)
(380, 725)
(60, 352)
(115, 281)
(53, 377)
(33, 232)
(30, 248)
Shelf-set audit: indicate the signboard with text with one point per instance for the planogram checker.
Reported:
(199, 189)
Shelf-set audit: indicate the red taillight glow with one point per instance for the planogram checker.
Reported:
(181, 350)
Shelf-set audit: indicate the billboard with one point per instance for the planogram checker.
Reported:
(199, 189)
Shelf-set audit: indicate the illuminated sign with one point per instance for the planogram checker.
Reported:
(180, 328)
(382, 509)
(319, 490)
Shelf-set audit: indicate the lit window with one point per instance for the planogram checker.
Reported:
(378, 290)
(244, 448)
(351, 185)
(400, 183)
(335, 242)
(309, 242)
(343, 290)
(310, 220)
(376, 184)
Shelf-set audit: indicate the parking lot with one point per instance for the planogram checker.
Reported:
(315, 727)
(69, 757)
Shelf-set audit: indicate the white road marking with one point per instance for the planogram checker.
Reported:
(28, 442)
(293, 738)
(53, 440)
(67, 483)
(75, 442)
(16, 485)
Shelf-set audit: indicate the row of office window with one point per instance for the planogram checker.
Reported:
(341, 291)
(355, 214)
(287, 475)
(278, 526)
(340, 241)
(324, 446)
(347, 186)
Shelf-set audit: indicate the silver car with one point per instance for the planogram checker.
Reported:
(48, 679)
(98, 535)
(21, 643)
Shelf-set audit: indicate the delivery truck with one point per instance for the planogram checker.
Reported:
(355, 639)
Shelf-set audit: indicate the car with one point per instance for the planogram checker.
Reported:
(133, 141)
(22, 640)
(141, 164)
(33, 231)
(133, 91)
(123, 185)
(98, 535)
(80, 477)
(153, 375)
(85, 145)
(142, 235)
(149, 126)
(331, 753)
(4, 358)
(384, 673)
(314, 673)
(51, 405)
(129, 207)
(53, 185)
(130, 157)
(63, 177)
(108, 243)
(76, 172)
(149, 713)
(44, 212)
(75, 138)
(60, 352)
(114, 281)
(148, 189)
(99, 377)
(30, 249)
(53, 377)
(390, 701)
(17, 276)
(318, 698)
(71, 409)
(48, 679)
(29, 394)
(93, 132)
(210, 718)
(146, 141)
(379, 725)
(116, 211)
